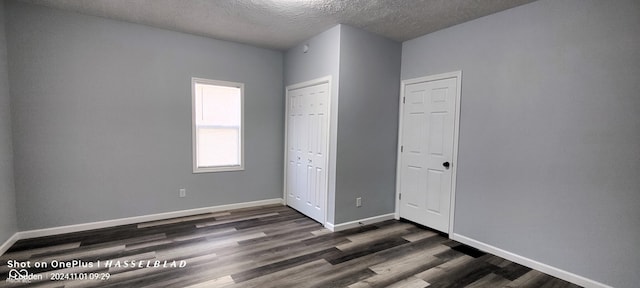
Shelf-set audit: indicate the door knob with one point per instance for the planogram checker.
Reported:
(446, 165)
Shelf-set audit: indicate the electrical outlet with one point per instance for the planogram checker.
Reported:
(182, 192)
(358, 201)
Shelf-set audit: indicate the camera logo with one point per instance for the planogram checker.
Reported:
(20, 276)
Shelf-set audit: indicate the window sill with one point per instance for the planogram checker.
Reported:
(200, 170)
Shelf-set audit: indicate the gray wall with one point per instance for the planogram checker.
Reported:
(322, 59)
(102, 118)
(8, 223)
(368, 124)
(549, 137)
(365, 70)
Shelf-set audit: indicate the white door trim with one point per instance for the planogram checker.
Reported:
(330, 119)
(456, 131)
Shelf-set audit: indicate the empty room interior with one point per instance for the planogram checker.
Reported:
(320, 143)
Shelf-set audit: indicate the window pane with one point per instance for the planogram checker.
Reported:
(218, 147)
(219, 105)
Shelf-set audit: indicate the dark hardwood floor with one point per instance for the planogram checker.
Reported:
(270, 246)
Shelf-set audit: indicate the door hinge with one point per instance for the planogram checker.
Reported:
(401, 149)
(403, 99)
(400, 196)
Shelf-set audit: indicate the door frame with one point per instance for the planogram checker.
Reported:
(330, 119)
(456, 131)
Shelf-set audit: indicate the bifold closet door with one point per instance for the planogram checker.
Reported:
(307, 146)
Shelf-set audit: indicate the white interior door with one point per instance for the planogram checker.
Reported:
(307, 149)
(427, 151)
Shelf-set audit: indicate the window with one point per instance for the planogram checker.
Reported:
(217, 125)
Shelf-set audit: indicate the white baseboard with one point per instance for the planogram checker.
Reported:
(553, 271)
(361, 222)
(7, 244)
(138, 219)
(330, 226)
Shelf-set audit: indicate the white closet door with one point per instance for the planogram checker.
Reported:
(307, 148)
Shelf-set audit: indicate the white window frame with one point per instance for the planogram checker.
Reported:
(196, 168)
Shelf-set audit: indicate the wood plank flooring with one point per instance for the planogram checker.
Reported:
(269, 246)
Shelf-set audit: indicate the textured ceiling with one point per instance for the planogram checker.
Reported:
(281, 24)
